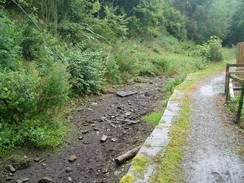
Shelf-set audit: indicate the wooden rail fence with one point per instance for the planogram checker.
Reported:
(235, 73)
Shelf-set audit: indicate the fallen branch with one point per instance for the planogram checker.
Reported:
(126, 156)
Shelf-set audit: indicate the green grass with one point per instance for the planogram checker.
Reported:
(153, 118)
(169, 169)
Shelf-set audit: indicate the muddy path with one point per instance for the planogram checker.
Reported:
(118, 118)
(211, 154)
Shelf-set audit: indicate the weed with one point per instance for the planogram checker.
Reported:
(153, 118)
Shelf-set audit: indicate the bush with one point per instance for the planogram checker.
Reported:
(18, 95)
(211, 50)
(86, 71)
(32, 44)
(112, 72)
(53, 89)
(10, 39)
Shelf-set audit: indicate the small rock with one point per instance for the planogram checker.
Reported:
(105, 171)
(45, 180)
(103, 118)
(68, 170)
(81, 137)
(85, 132)
(114, 139)
(11, 168)
(72, 158)
(130, 81)
(125, 94)
(147, 94)
(128, 113)
(104, 138)
(96, 129)
(94, 103)
(25, 157)
(37, 159)
(116, 173)
(44, 164)
(69, 179)
(22, 180)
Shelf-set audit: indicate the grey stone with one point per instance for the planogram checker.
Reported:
(69, 179)
(125, 94)
(45, 180)
(114, 139)
(85, 132)
(68, 170)
(11, 168)
(104, 138)
(37, 159)
(22, 180)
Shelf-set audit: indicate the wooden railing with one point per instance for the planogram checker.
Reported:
(236, 75)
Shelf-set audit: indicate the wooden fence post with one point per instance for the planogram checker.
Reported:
(240, 53)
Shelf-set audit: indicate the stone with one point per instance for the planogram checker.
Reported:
(11, 168)
(103, 118)
(128, 113)
(85, 132)
(125, 94)
(37, 159)
(72, 158)
(81, 137)
(94, 103)
(69, 179)
(147, 94)
(96, 129)
(130, 82)
(68, 170)
(45, 180)
(114, 139)
(104, 138)
(22, 180)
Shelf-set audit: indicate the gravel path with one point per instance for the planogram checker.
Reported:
(210, 156)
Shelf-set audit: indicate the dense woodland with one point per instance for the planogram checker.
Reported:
(54, 50)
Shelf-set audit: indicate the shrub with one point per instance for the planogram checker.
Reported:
(53, 89)
(10, 39)
(17, 96)
(211, 50)
(112, 72)
(86, 71)
(32, 44)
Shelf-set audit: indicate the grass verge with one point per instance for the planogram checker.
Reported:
(169, 168)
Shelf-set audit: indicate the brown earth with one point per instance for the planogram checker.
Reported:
(119, 118)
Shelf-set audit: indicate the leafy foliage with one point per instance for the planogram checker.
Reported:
(85, 69)
(211, 50)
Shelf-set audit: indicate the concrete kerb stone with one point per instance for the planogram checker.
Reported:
(157, 142)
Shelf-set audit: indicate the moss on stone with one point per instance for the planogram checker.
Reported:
(127, 179)
(140, 163)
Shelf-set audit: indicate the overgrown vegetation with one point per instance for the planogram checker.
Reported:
(51, 50)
